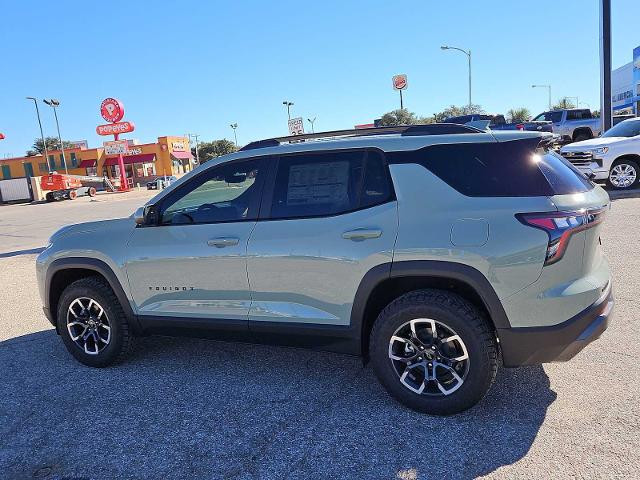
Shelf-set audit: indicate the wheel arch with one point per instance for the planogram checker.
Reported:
(627, 156)
(580, 130)
(384, 283)
(63, 271)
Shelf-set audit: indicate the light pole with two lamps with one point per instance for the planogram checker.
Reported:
(44, 144)
(235, 136)
(54, 104)
(548, 87)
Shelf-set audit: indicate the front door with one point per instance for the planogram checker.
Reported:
(192, 263)
(332, 218)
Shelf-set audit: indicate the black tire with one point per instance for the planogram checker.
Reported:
(121, 339)
(580, 136)
(621, 164)
(456, 314)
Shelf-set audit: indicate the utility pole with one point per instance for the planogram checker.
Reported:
(234, 126)
(468, 54)
(605, 64)
(548, 87)
(53, 103)
(312, 121)
(288, 104)
(196, 136)
(44, 144)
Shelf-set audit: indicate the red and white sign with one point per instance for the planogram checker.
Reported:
(115, 128)
(296, 126)
(399, 82)
(116, 147)
(112, 110)
(1, 136)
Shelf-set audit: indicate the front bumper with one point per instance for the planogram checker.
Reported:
(556, 343)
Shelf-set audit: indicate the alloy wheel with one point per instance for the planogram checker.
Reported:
(429, 357)
(623, 175)
(88, 325)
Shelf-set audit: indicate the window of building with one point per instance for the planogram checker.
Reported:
(28, 169)
(74, 160)
(52, 162)
(6, 172)
(227, 193)
(63, 162)
(43, 167)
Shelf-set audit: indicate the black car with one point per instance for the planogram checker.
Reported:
(161, 182)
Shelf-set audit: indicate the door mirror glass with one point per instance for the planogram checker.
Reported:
(138, 216)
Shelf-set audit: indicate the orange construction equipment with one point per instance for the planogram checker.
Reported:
(64, 187)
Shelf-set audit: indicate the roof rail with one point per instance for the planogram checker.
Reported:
(406, 130)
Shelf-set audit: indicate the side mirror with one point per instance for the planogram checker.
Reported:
(138, 216)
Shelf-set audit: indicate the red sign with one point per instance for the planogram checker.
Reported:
(1, 136)
(115, 128)
(112, 110)
(399, 82)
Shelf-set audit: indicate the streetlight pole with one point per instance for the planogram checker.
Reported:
(548, 87)
(234, 126)
(312, 121)
(195, 135)
(44, 144)
(288, 104)
(53, 103)
(468, 54)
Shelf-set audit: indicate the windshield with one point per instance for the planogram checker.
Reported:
(628, 128)
(554, 117)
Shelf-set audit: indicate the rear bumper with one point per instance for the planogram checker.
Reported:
(557, 343)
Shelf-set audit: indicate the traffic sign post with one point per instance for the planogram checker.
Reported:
(112, 110)
(296, 126)
(400, 84)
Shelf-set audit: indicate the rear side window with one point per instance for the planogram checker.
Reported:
(324, 184)
(509, 169)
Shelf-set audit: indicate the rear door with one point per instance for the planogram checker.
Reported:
(327, 219)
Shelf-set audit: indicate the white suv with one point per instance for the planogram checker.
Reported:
(614, 157)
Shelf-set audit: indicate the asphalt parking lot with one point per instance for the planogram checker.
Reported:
(186, 408)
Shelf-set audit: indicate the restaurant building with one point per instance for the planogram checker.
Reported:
(170, 155)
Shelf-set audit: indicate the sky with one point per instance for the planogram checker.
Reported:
(198, 66)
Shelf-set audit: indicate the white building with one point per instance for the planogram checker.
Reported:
(625, 87)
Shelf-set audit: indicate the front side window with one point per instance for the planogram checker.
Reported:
(227, 193)
(554, 117)
(330, 183)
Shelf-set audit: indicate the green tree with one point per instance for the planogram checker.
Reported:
(455, 111)
(52, 144)
(516, 115)
(563, 104)
(401, 116)
(214, 149)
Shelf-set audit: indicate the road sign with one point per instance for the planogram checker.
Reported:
(296, 126)
(399, 82)
(115, 128)
(112, 110)
(1, 136)
(116, 147)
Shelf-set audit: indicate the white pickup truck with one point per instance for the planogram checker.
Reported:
(573, 124)
(614, 157)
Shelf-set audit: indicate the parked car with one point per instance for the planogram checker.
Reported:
(498, 122)
(161, 182)
(573, 125)
(437, 252)
(614, 157)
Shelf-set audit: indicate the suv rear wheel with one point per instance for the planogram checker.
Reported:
(92, 323)
(623, 174)
(434, 352)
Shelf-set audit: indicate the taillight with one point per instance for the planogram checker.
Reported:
(560, 226)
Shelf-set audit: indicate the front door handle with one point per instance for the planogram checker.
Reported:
(362, 233)
(222, 242)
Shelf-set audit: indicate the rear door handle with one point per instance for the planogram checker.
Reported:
(222, 242)
(362, 233)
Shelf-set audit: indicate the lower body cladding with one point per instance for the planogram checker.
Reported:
(556, 343)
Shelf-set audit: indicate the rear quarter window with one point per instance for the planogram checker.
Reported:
(509, 169)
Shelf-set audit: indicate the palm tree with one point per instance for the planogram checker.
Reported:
(517, 115)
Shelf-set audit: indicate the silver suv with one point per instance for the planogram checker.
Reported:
(434, 251)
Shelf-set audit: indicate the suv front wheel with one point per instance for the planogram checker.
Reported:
(623, 174)
(434, 352)
(92, 323)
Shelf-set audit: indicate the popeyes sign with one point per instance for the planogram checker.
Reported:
(114, 128)
(112, 110)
